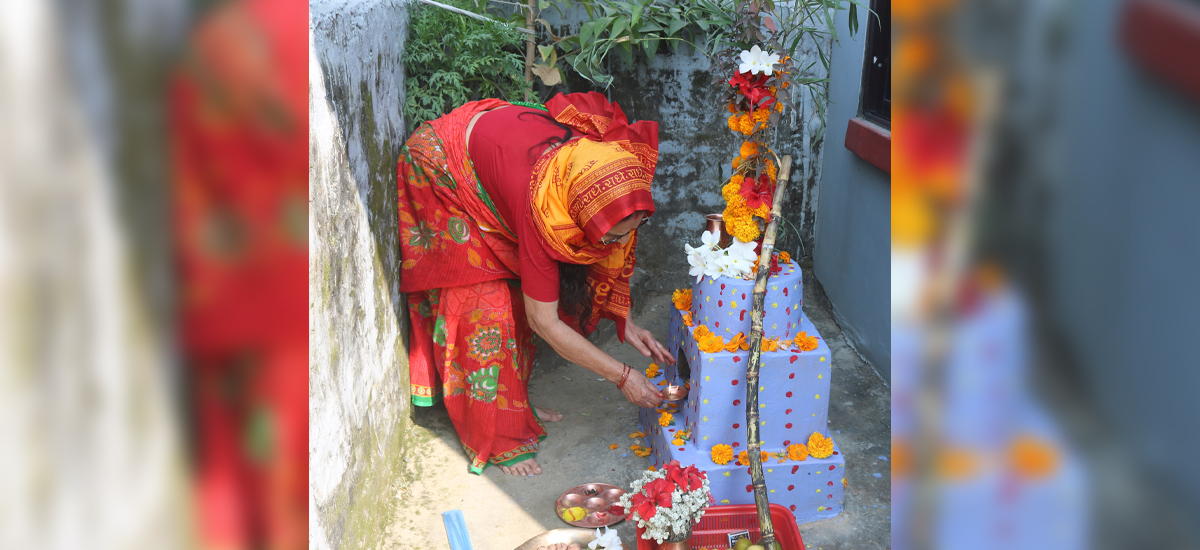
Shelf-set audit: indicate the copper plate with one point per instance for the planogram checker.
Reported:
(570, 536)
(600, 501)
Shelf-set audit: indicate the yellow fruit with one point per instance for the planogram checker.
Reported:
(574, 514)
(742, 544)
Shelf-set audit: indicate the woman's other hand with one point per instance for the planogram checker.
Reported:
(643, 340)
(640, 391)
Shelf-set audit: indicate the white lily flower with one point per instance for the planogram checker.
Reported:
(756, 60)
(609, 540)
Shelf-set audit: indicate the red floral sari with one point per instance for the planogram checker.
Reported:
(471, 345)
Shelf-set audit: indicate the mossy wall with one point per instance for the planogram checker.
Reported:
(358, 374)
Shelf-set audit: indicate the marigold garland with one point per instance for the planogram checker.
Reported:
(721, 454)
(797, 451)
(819, 446)
(682, 299)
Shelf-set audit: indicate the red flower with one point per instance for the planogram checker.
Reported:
(757, 193)
(687, 479)
(655, 494)
(754, 88)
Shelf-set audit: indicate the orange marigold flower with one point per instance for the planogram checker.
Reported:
(734, 123)
(682, 299)
(721, 454)
(677, 442)
(748, 149)
(763, 456)
(741, 226)
(642, 452)
(772, 171)
(1032, 458)
(762, 115)
(700, 332)
(779, 104)
(711, 343)
(613, 446)
(770, 344)
(746, 124)
(785, 258)
(805, 342)
(733, 188)
(731, 108)
(735, 342)
(743, 458)
(797, 451)
(819, 446)
(687, 319)
(665, 419)
(652, 370)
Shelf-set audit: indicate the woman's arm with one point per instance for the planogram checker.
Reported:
(643, 340)
(543, 319)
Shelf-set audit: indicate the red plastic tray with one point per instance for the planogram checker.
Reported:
(719, 521)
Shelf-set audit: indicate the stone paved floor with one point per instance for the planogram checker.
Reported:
(502, 512)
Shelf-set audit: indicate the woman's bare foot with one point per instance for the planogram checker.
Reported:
(548, 415)
(559, 546)
(527, 467)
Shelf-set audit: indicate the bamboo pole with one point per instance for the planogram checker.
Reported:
(753, 445)
(530, 14)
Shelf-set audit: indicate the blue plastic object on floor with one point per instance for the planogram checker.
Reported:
(456, 530)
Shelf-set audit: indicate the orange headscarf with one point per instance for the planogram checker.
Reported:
(581, 191)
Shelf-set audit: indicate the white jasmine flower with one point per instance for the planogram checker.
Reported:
(608, 541)
(743, 251)
(756, 60)
(710, 239)
(716, 266)
(698, 259)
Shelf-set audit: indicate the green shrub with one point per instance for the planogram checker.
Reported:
(451, 59)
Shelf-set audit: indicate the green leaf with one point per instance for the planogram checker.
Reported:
(650, 46)
(620, 26)
(625, 51)
(543, 4)
(650, 26)
(675, 26)
(853, 21)
(587, 33)
(546, 51)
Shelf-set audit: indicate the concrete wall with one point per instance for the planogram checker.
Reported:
(358, 373)
(1123, 249)
(851, 257)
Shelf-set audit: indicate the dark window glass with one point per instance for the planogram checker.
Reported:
(876, 103)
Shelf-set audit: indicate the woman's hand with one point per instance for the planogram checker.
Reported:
(643, 340)
(640, 391)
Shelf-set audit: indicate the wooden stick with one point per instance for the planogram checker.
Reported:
(529, 50)
(753, 445)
